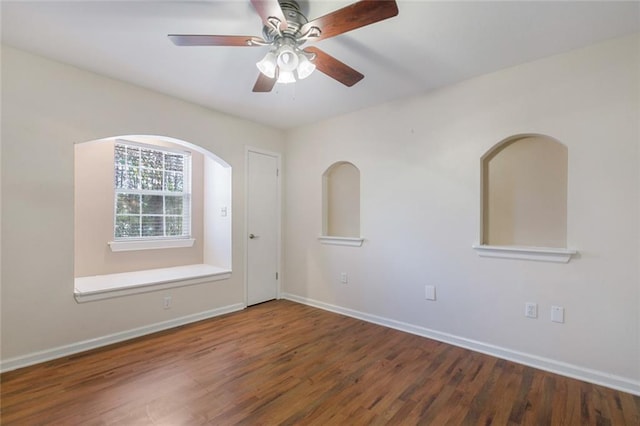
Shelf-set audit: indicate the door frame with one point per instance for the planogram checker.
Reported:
(278, 157)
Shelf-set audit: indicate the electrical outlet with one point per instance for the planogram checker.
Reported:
(531, 310)
(344, 278)
(166, 302)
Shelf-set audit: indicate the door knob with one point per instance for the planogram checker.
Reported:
(251, 236)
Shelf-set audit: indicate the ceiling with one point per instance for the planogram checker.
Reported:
(428, 45)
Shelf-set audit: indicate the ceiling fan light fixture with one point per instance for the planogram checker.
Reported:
(268, 64)
(286, 28)
(305, 66)
(286, 77)
(287, 59)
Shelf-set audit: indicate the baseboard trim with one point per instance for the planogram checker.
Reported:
(565, 369)
(85, 345)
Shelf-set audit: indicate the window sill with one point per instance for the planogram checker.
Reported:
(541, 254)
(99, 287)
(341, 241)
(150, 244)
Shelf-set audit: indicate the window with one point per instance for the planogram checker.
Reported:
(152, 192)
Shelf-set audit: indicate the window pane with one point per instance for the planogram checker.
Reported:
(120, 155)
(173, 181)
(152, 179)
(127, 226)
(133, 156)
(174, 226)
(131, 178)
(120, 176)
(173, 205)
(152, 204)
(127, 178)
(152, 226)
(151, 159)
(173, 162)
(128, 204)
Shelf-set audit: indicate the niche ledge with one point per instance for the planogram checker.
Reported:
(341, 241)
(540, 254)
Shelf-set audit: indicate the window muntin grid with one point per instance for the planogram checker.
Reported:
(152, 192)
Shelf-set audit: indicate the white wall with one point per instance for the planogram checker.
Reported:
(419, 161)
(47, 107)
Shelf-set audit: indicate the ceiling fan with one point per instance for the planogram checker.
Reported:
(286, 29)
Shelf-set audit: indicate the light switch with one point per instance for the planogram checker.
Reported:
(430, 292)
(557, 314)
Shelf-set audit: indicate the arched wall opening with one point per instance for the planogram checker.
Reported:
(341, 200)
(524, 192)
(94, 194)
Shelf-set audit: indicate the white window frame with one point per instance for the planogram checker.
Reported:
(156, 242)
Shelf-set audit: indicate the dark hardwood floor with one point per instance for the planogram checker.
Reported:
(286, 363)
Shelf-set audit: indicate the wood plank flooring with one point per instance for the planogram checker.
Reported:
(286, 363)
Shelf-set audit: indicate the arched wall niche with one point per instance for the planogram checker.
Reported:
(524, 193)
(341, 202)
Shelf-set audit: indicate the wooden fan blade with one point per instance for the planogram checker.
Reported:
(335, 69)
(270, 8)
(212, 40)
(264, 83)
(351, 17)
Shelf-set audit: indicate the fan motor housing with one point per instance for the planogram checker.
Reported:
(295, 20)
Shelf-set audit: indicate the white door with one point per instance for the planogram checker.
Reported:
(262, 227)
